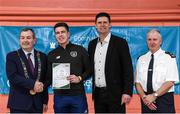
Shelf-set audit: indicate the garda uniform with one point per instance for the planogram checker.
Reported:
(78, 58)
(164, 69)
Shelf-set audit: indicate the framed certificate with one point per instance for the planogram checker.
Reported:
(60, 71)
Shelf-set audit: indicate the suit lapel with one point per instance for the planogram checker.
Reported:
(94, 48)
(36, 63)
(24, 58)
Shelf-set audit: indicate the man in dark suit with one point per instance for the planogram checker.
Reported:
(112, 69)
(26, 71)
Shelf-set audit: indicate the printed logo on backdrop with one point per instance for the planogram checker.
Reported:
(52, 45)
(88, 85)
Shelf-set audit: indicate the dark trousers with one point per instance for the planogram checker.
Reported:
(103, 104)
(70, 104)
(31, 110)
(164, 103)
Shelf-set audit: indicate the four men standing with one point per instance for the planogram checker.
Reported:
(110, 64)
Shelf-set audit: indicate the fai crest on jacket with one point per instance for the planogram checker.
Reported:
(73, 53)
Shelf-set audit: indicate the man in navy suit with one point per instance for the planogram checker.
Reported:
(26, 71)
(112, 69)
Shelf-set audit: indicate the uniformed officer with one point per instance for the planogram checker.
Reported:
(71, 100)
(156, 74)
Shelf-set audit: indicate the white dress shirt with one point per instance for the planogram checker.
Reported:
(99, 61)
(164, 69)
(31, 56)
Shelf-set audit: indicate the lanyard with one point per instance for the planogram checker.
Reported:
(25, 68)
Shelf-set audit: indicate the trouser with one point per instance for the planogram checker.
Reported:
(70, 104)
(164, 103)
(33, 109)
(103, 104)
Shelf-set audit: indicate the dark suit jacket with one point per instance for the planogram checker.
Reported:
(19, 96)
(118, 68)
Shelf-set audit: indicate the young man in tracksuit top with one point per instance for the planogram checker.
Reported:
(71, 100)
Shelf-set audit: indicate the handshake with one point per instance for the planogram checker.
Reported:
(38, 87)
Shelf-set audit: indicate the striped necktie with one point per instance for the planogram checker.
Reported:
(30, 63)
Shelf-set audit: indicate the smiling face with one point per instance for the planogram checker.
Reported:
(154, 41)
(27, 40)
(103, 25)
(62, 36)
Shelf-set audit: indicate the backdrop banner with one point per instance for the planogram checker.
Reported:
(81, 35)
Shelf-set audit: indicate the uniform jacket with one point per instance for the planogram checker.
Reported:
(19, 96)
(118, 67)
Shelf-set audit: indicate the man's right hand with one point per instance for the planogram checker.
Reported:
(38, 86)
(149, 103)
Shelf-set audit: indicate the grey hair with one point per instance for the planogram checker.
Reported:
(152, 31)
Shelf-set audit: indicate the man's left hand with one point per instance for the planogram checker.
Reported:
(45, 107)
(73, 78)
(125, 99)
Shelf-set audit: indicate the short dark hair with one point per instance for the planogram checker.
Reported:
(28, 29)
(103, 14)
(61, 24)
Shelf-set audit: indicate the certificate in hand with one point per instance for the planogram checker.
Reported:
(60, 71)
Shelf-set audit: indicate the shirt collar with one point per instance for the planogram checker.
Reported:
(157, 53)
(32, 52)
(107, 39)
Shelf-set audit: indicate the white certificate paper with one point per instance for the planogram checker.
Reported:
(60, 71)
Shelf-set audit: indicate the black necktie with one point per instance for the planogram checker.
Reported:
(150, 73)
(30, 63)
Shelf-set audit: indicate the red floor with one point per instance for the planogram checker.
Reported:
(133, 107)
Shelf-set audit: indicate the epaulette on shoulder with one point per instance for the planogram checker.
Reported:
(172, 55)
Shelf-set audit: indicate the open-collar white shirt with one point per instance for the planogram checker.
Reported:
(99, 61)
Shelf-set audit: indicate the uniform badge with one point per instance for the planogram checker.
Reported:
(73, 53)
